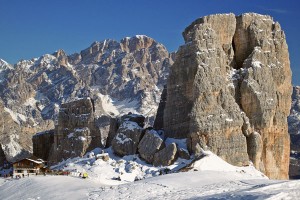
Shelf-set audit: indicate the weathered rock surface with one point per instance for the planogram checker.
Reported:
(127, 138)
(76, 131)
(113, 128)
(42, 144)
(159, 119)
(219, 97)
(294, 130)
(15, 135)
(294, 117)
(165, 156)
(183, 153)
(115, 123)
(103, 124)
(149, 145)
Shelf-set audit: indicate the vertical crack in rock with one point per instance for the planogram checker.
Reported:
(229, 91)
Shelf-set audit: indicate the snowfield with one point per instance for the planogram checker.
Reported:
(209, 178)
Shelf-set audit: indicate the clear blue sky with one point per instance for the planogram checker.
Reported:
(31, 28)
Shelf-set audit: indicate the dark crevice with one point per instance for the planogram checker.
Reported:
(234, 63)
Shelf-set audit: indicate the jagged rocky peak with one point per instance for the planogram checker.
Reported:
(61, 57)
(110, 49)
(5, 65)
(218, 95)
(135, 43)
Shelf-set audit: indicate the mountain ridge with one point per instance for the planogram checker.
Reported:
(131, 72)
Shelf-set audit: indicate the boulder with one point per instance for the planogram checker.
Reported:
(115, 123)
(165, 156)
(139, 119)
(127, 138)
(149, 145)
(183, 153)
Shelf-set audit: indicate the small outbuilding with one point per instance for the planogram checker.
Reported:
(28, 166)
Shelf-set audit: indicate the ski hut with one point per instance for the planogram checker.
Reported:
(28, 166)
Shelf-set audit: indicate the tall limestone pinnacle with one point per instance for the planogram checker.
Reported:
(229, 90)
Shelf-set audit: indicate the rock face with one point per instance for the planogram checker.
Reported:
(128, 136)
(76, 131)
(113, 128)
(166, 156)
(42, 144)
(294, 118)
(159, 119)
(119, 76)
(218, 95)
(294, 130)
(15, 135)
(149, 145)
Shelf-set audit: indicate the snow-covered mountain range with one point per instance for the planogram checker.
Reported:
(121, 77)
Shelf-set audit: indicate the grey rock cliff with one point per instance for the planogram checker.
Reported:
(218, 95)
(42, 143)
(294, 130)
(76, 131)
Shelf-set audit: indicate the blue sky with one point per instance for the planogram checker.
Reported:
(32, 28)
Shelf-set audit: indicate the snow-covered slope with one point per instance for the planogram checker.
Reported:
(203, 182)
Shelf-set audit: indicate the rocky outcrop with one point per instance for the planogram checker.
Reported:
(165, 156)
(42, 144)
(149, 145)
(128, 135)
(76, 131)
(219, 97)
(294, 130)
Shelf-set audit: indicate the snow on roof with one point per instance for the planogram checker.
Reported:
(39, 161)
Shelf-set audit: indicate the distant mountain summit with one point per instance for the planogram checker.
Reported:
(119, 76)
